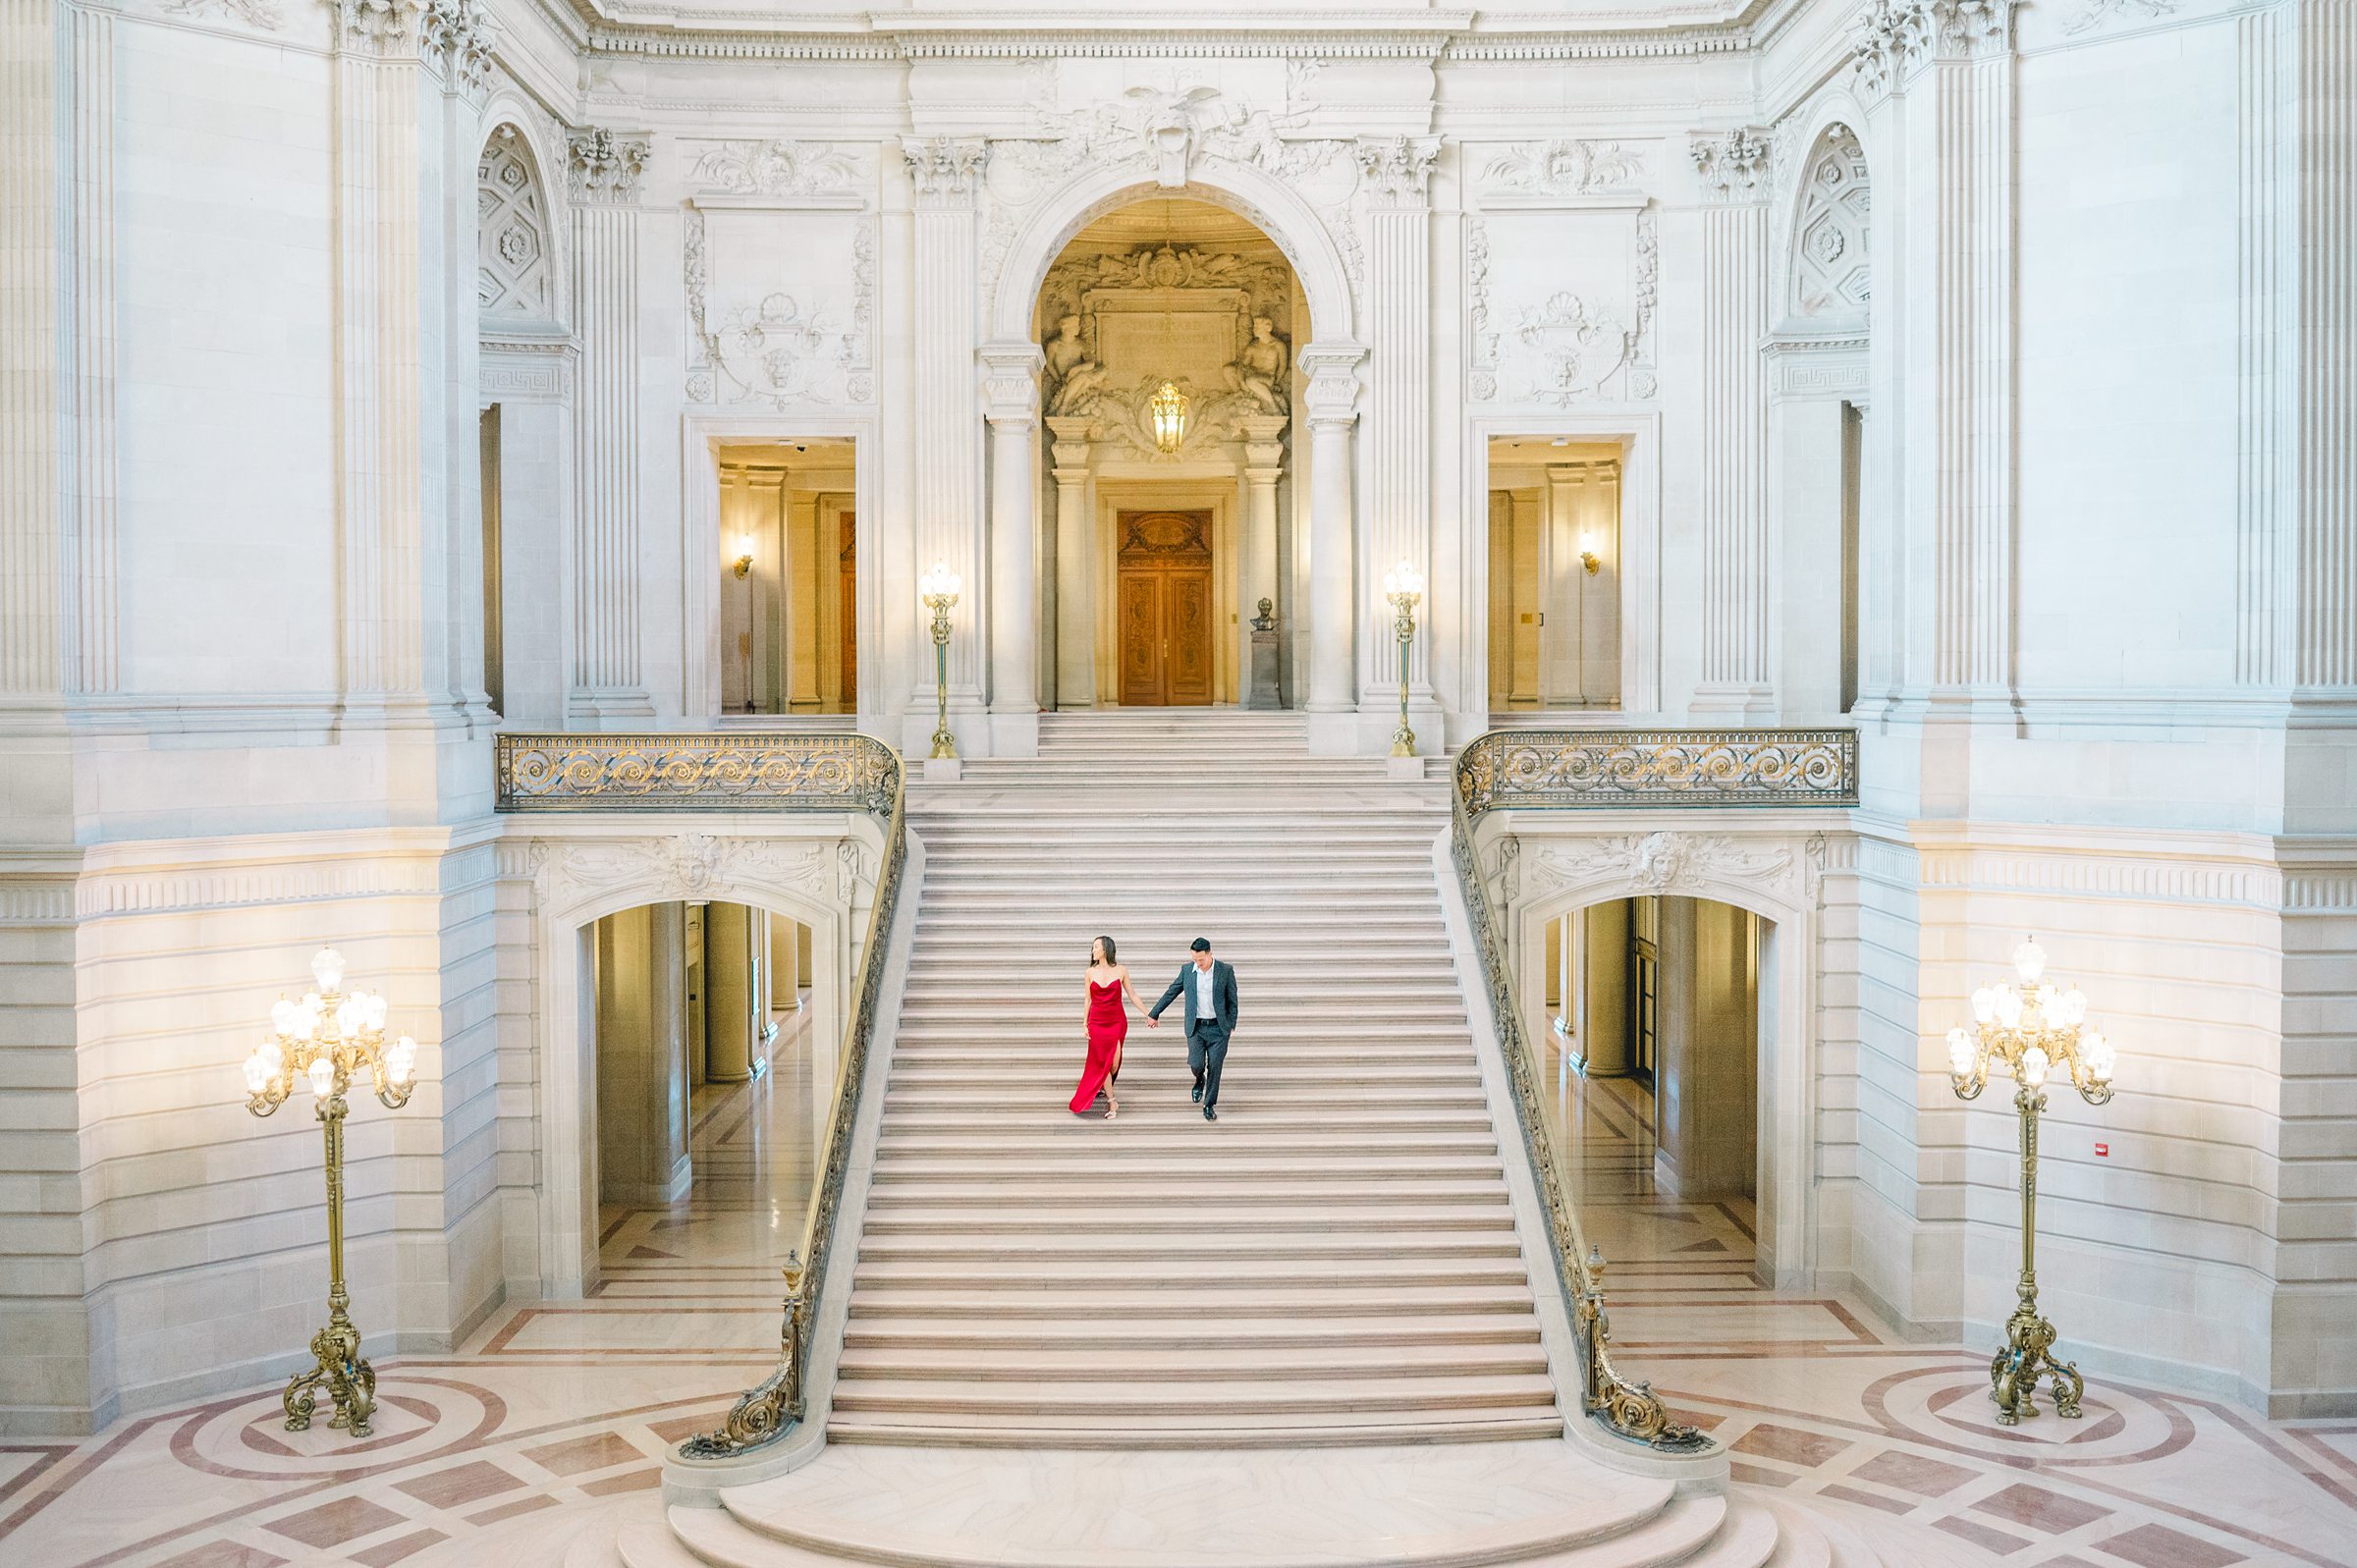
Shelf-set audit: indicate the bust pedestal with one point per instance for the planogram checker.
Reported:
(1261, 691)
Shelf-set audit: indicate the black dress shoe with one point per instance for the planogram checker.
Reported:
(1198, 1094)
(1210, 1115)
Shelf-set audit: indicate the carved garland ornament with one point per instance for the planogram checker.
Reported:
(1565, 167)
(779, 168)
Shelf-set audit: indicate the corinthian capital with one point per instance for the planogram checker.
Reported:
(457, 35)
(1891, 38)
(1397, 168)
(383, 28)
(604, 167)
(1733, 167)
(944, 166)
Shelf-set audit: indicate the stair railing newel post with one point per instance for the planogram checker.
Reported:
(1630, 1411)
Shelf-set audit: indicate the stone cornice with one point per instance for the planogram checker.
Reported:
(1629, 29)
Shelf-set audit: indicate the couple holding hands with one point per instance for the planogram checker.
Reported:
(1209, 987)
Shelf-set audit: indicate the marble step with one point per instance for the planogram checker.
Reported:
(1093, 1302)
(1218, 1245)
(1058, 1363)
(1334, 1429)
(1011, 1145)
(1009, 1335)
(1077, 1215)
(1204, 1403)
(1205, 1280)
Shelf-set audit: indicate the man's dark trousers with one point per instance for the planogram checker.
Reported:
(1206, 1052)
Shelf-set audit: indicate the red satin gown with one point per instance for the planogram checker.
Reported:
(1108, 1027)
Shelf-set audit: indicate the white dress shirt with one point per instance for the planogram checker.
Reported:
(1206, 1011)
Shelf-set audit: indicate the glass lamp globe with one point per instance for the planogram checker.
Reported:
(327, 967)
(939, 582)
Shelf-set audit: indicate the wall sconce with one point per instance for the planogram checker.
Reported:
(744, 555)
(1587, 555)
(1167, 410)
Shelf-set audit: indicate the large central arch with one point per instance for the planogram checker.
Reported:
(1250, 193)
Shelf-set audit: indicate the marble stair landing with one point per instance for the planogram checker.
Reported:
(1539, 1504)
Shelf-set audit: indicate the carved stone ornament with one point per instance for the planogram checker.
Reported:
(1571, 348)
(457, 35)
(1397, 169)
(376, 27)
(1891, 38)
(1565, 167)
(779, 352)
(604, 167)
(265, 14)
(775, 168)
(945, 166)
(515, 273)
(2093, 13)
(1830, 279)
(1660, 862)
(1732, 167)
(691, 865)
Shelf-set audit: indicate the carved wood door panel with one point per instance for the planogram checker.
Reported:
(1162, 612)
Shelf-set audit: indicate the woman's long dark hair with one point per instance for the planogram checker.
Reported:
(1107, 944)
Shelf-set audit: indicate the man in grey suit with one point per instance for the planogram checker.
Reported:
(1210, 989)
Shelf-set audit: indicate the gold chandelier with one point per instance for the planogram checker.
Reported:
(1167, 410)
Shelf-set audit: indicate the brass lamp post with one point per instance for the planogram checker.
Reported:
(2035, 1033)
(939, 588)
(324, 1040)
(1404, 586)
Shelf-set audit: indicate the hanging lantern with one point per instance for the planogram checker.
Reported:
(1168, 409)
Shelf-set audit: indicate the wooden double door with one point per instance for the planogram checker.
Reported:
(1163, 615)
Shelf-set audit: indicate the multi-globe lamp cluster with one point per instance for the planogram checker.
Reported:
(2036, 1032)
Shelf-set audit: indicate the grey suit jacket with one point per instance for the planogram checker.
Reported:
(1223, 993)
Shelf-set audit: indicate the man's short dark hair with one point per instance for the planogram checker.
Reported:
(1199, 945)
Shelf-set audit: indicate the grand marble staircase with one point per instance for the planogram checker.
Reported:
(1305, 1334)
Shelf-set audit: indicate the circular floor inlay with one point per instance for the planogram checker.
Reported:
(415, 1418)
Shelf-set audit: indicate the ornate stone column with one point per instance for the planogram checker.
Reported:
(1330, 402)
(1939, 76)
(1733, 172)
(1396, 174)
(1011, 387)
(1075, 567)
(1264, 466)
(606, 683)
(1561, 639)
(945, 172)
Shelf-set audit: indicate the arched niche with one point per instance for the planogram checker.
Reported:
(517, 263)
(1828, 272)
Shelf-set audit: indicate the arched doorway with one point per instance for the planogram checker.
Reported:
(709, 1083)
(1166, 328)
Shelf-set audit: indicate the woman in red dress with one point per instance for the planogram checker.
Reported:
(1108, 1026)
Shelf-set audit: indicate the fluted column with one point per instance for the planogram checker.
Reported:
(1075, 567)
(1264, 466)
(1736, 586)
(1396, 175)
(945, 173)
(1559, 637)
(86, 350)
(1940, 74)
(380, 444)
(1011, 388)
(608, 680)
(455, 42)
(1330, 403)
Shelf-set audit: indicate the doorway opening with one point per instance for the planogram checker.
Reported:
(708, 1086)
(1655, 1019)
(789, 577)
(1164, 615)
(1554, 574)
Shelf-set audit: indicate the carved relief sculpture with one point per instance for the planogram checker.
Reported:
(1259, 371)
(1074, 381)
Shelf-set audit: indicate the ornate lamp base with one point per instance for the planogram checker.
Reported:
(2015, 1372)
(349, 1382)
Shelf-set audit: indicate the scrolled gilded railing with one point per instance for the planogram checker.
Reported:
(1559, 770)
(749, 773)
(1651, 769)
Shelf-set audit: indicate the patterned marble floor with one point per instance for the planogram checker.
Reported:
(558, 1408)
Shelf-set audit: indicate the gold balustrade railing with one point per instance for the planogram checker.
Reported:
(1559, 770)
(756, 772)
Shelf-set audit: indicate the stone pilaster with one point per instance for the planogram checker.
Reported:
(381, 445)
(607, 682)
(1075, 567)
(1329, 401)
(89, 644)
(1939, 76)
(1733, 170)
(1397, 174)
(1011, 389)
(945, 173)
(1264, 467)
